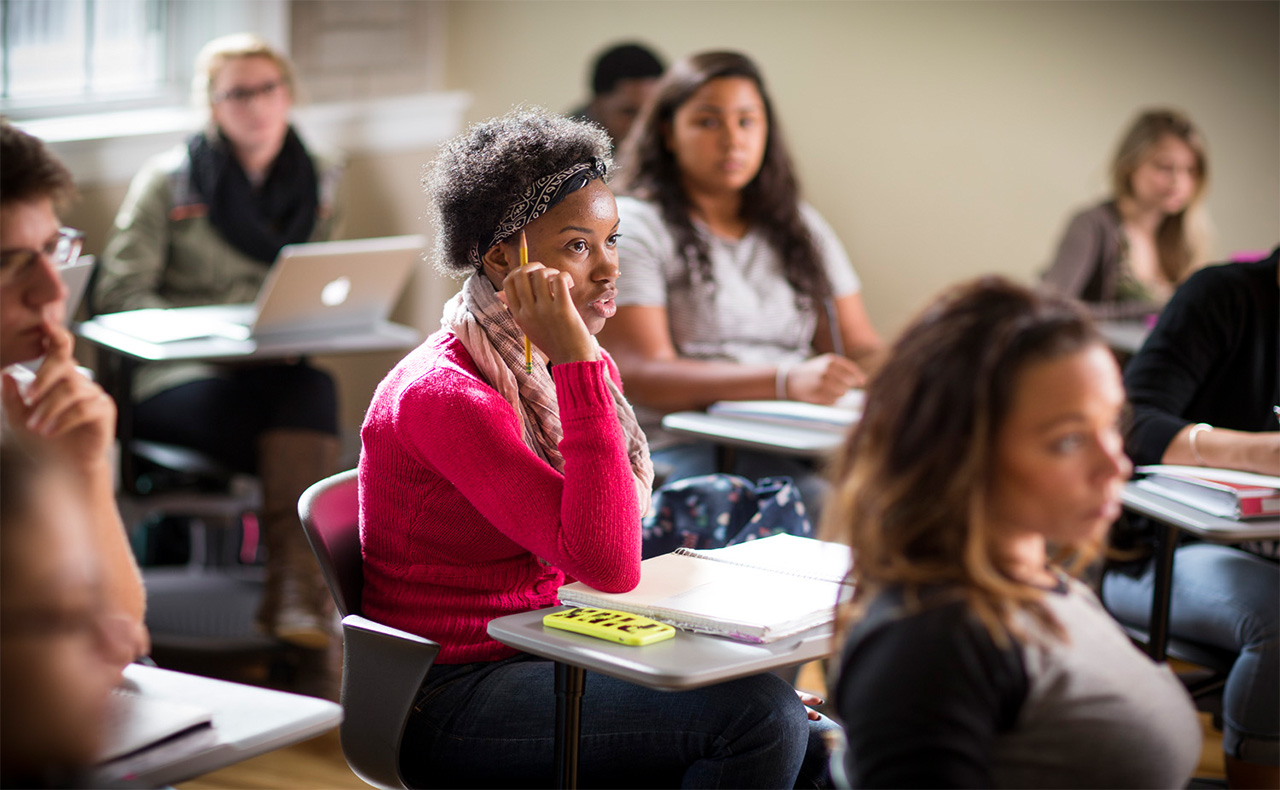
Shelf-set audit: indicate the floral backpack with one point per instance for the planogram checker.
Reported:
(711, 511)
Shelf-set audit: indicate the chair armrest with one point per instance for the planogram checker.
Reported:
(383, 668)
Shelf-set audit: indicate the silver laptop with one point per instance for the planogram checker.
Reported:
(76, 278)
(327, 287)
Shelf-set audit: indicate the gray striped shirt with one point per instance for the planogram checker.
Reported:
(747, 315)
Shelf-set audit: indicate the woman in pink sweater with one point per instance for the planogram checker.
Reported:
(485, 486)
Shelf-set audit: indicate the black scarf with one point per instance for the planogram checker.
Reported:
(258, 222)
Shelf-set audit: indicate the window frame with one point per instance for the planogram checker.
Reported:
(189, 23)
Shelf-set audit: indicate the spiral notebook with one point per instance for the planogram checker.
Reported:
(758, 591)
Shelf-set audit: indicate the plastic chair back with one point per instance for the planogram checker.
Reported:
(330, 514)
(382, 667)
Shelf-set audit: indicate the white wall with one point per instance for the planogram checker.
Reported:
(941, 139)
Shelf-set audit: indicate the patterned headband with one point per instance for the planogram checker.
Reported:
(538, 199)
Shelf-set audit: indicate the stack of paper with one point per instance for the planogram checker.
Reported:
(1220, 492)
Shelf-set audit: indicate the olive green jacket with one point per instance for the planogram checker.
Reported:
(165, 253)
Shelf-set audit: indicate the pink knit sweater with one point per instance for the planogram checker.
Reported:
(460, 522)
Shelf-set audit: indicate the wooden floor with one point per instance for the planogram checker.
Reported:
(318, 763)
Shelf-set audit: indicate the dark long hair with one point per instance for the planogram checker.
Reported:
(911, 485)
(770, 202)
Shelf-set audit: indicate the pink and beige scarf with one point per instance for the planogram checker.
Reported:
(496, 344)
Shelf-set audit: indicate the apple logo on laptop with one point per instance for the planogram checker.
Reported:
(336, 292)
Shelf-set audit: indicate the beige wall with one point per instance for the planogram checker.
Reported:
(941, 139)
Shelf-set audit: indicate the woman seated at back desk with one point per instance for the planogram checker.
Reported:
(1204, 388)
(733, 288)
(1124, 256)
(486, 485)
(202, 224)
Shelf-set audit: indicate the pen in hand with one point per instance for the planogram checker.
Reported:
(528, 347)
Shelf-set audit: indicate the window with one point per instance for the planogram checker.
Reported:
(62, 51)
(75, 56)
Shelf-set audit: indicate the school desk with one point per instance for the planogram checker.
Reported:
(731, 433)
(247, 721)
(1172, 517)
(685, 662)
(120, 353)
(1125, 336)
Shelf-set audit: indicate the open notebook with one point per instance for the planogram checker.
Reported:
(757, 591)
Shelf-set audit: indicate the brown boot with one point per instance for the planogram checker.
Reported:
(296, 606)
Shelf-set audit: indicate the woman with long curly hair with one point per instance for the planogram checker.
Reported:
(734, 289)
(970, 658)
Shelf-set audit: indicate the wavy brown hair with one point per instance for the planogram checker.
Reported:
(912, 482)
(1179, 238)
(770, 202)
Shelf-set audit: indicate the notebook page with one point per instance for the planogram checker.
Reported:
(718, 597)
(790, 554)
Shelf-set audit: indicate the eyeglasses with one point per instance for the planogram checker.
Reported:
(62, 250)
(246, 95)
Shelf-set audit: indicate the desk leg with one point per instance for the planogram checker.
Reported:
(570, 681)
(1161, 591)
(726, 458)
(116, 375)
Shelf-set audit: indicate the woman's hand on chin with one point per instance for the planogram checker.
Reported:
(541, 303)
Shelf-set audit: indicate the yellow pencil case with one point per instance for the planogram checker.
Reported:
(622, 627)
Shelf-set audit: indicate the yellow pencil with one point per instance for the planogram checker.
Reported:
(528, 347)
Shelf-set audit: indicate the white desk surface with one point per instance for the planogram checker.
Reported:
(1197, 522)
(687, 661)
(1127, 335)
(247, 721)
(755, 434)
(384, 337)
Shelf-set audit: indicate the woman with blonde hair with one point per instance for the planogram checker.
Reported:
(1124, 256)
(969, 657)
(201, 224)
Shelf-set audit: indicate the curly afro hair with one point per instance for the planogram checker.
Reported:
(478, 175)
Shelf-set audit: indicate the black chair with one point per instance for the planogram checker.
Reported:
(382, 667)
(205, 608)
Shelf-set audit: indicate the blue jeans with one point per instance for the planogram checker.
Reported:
(1229, 599)
(699, 458)
(493, 725)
